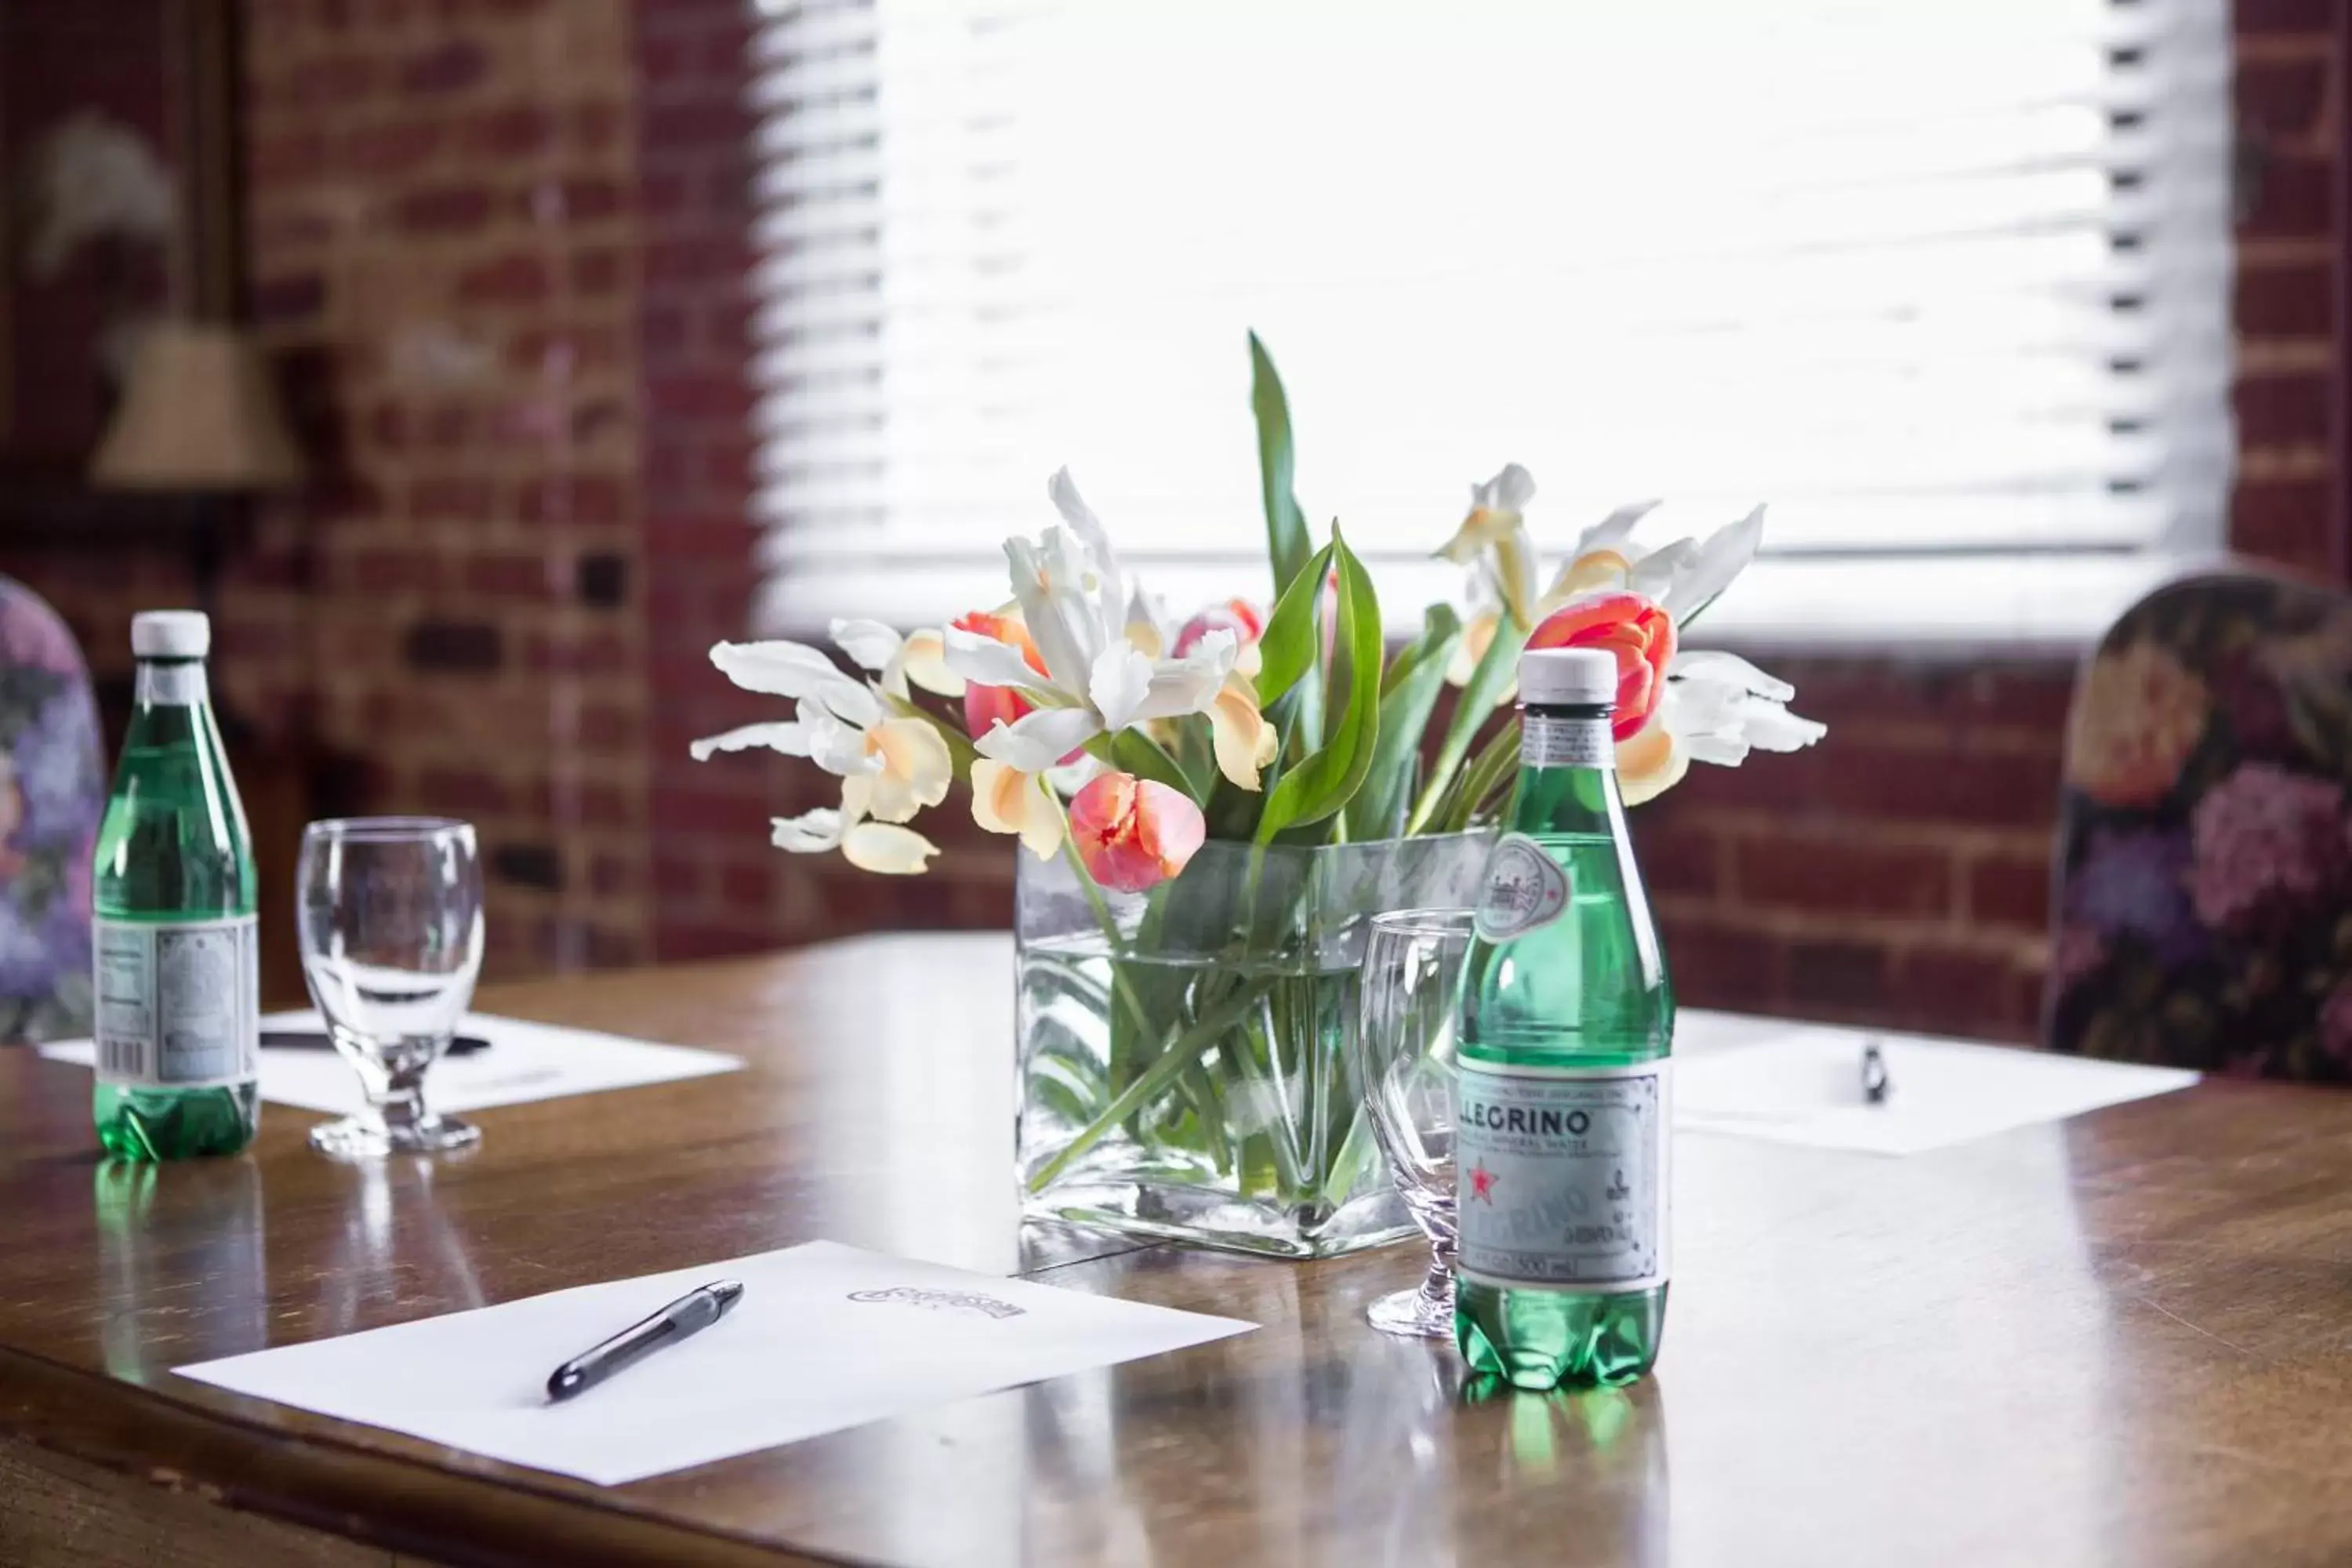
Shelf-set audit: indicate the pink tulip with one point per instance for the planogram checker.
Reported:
(985, 707)
(1133, 834)
(1239, 617)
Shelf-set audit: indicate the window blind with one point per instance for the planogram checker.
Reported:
(1948, 275)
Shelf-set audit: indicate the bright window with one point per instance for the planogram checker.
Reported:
(1944, 281)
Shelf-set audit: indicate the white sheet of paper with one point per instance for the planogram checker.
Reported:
(826, 1337)
(526, 1061)
(1802, 1083)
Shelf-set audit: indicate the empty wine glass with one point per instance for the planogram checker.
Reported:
(391, 928)
(1404, 1059)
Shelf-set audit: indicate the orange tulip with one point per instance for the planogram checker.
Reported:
(984, 706)
(1133, 834)
(1641, 636)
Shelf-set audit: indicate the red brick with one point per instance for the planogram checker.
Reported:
(2293, 196)
(514, 279)
(445, 209)
(661, 59)
(508, 577)
(610, 876)
(2284, 410)
(336, 81)
(715, 123)
(2295, 300)
(2314, 19)
(2010, 891)
(677, 876)
(1843, 876)
(1995, 789)
(592, 201)
(596, 415)
(2286, 520)
(446, 427)
(715, 397)
(1848, 692)
(393, 570)
(682, 942)
(597, 126)
(662, 196)
(593, 653)
(2280, 99)
(747, 885)
(451, 68)
(1835, 978)
(1678, 856)
(606, 806)
(462, 790)
(452, 500)
(604, 727)
(505, 134)
(1718, 965)
(296, 158)
(690, 263)
(279, 302)
(590, 499)
(399, 148)
(597, 271)
(583, 347)
(1963, 992)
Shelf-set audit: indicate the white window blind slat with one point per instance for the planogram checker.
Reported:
(1929, 278)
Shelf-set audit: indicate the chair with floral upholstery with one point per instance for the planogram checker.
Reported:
(52, 793)
(2204, 901)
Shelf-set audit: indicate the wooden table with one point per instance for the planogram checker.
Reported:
(2124, 1340)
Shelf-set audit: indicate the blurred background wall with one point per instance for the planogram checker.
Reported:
(495, 251)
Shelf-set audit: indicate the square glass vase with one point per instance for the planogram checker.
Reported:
(1187, 1062)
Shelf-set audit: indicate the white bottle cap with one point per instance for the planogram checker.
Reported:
(1567, 677)
(171, 634)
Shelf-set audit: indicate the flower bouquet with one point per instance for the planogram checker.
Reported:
(1214, 808)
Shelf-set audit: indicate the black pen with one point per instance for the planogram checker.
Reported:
(316, 1040)
(688, 1315)
(1876, 1084)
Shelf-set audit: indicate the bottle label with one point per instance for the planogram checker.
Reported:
(1548, 741)
(1562, 1176)
(178, 1004)
(173, 685)
(1524, 890)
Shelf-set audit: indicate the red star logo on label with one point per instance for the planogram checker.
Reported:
(1482, 1184)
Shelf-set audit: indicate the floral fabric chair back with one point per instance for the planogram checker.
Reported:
(52, 793)
(2204, 900)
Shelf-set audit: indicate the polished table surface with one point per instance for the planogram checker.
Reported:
(2126, 1338)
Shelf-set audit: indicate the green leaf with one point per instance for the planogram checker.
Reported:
(1288, 544)
(1492, 770)
(1326, 780)
(1494, 677)
(1287, 648)
(1409, 694)
(1136, 752)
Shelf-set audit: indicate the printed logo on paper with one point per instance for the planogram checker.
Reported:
(941, 1301)
(1525, 889)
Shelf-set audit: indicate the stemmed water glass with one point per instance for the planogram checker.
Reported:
(1404, 1059)
(391, 929)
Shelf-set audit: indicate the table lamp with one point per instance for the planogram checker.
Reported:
(198, 414)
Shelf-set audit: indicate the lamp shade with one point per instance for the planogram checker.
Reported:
(199, 413)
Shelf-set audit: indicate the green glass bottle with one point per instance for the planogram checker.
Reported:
(177, 981)
(1562, 1128)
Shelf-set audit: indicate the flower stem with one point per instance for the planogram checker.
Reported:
(1184, 1050)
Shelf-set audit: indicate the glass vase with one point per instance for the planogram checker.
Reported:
(1186, 1071)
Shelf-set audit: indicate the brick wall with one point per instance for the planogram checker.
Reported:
(498, 245)
(443, 249)
(444, 233)
(1899, 874)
